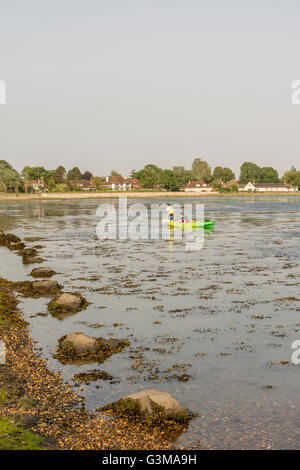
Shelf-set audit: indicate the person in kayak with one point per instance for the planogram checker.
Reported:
(170, 211)
(183, 218)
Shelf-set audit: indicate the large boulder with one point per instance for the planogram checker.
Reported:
(145, 398)
(42, 272)
(79, 343)
(80, 347)
(45, 285)
(67, 302)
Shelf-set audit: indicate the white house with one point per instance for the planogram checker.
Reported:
(267, 187)
(119, 183)
(197, 186)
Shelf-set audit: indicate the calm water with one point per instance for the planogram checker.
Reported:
(224, 316)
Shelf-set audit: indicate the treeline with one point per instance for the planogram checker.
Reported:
(154, 177)
(150, 177)
(56, 180)
(221, 178)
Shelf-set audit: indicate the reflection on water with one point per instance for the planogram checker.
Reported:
(213, 327)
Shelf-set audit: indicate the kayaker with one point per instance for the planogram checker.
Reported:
(170, 211)
(183, 218)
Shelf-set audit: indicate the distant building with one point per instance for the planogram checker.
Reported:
(197, 186)
(38, 185)
(267, 187)
(84, 185)
(119, 183)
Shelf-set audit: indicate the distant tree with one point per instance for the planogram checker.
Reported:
(149, 176)
(49, 175)
(230, 188)
(74, 174)
(292, 177)
(169, 181)
(201, 170)
(62, 188)
(59, 175)
(217, 184)
(10, 180)
(269, 175)
(34, 172)
(51, 183)
(4, 165)
(115, 173)
(87, 175)
(182, 175)
(250, 172)
(224, 174)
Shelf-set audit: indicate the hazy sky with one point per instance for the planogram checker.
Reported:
(116, 84)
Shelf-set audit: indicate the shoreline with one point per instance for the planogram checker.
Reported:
(130, 194)
(38, 409)
(44, 408)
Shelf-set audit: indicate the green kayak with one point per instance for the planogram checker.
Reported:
(193, 224)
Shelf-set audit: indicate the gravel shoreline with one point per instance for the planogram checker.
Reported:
(132, 194)
(53, 410)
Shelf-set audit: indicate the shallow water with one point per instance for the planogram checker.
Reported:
(224, 316)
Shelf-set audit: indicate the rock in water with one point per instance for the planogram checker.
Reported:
(69, 301)
(45, 285)
(172, 407)
(80, 343)
(7, 239)
(42, 272)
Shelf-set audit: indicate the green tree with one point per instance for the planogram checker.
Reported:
(50, 174)
(4, 165)
(62, 188)
(10, 180)
(230, 188)
(59, 175)
(182, 175)
(114, 173)
(250, 172)
(201, 170)
(224, 174)
(269, 175)
(34, 172)
(169, 181)
(74, 174)
(149, 176)
(292, 177)
(51, 183)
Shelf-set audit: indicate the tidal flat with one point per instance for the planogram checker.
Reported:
(212, 327)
